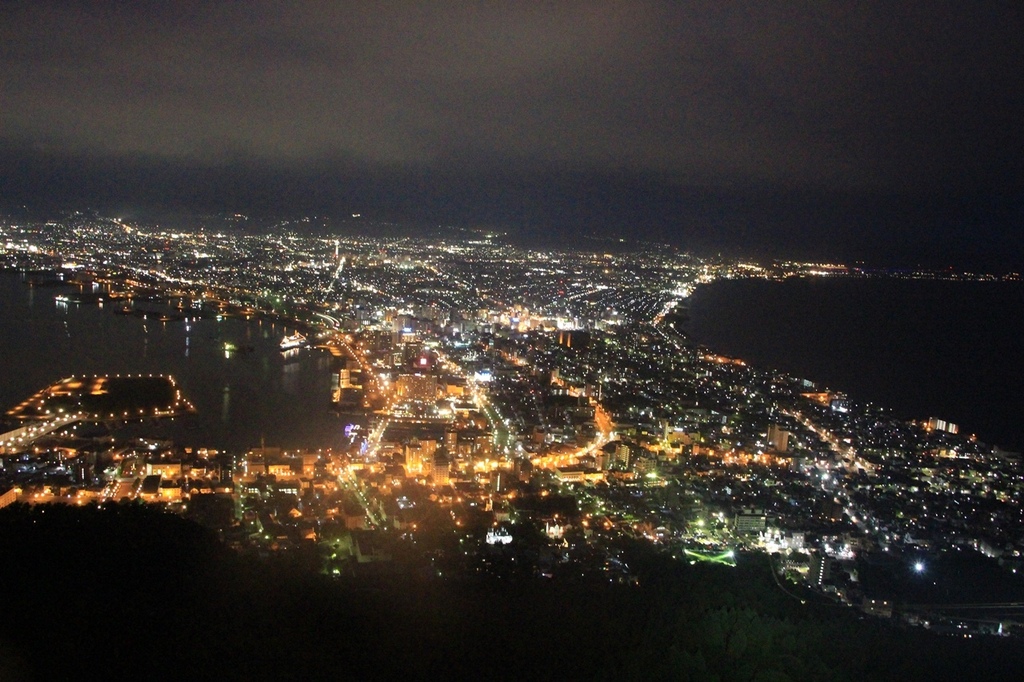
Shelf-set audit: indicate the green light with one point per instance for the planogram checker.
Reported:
(727, 558)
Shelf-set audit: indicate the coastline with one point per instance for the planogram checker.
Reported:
(801, 333)
(241, 396)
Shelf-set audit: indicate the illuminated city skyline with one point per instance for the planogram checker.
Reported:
(372, 340)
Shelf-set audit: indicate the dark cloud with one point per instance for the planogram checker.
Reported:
(460, 104)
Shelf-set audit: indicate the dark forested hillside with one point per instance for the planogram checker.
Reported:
(132, 592)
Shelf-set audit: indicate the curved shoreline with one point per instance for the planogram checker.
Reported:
(732, 332)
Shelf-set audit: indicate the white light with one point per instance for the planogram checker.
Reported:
(919, 567)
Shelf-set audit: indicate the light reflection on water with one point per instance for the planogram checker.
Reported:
(252, 393)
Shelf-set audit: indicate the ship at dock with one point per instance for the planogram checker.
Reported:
(297, 340)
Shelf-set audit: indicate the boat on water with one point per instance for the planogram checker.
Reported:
(297, 340)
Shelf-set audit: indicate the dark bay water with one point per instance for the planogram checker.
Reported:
(241, 397)
(953, 350)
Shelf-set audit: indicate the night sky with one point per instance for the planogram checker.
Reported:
(890, 131)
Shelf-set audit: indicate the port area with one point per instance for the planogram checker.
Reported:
(103, 398)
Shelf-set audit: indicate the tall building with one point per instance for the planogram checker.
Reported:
(935, 424)
(439, 469)
(421, 387)
(750, 521)
(778, 437)
(418, 456)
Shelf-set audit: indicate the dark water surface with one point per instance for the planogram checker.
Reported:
(953, 350)
(240, 396)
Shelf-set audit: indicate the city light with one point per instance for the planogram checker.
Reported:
(485, 384)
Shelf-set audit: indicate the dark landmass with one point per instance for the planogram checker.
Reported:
(130, 591)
